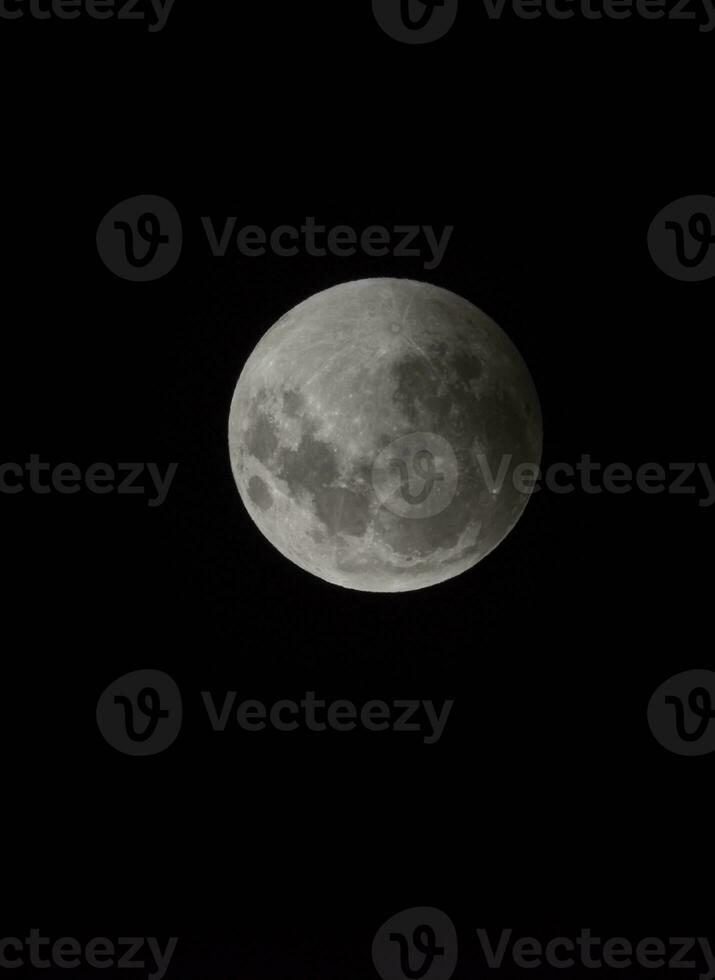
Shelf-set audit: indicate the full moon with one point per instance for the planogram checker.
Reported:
(375, 430)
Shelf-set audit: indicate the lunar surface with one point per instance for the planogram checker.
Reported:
(374, 431)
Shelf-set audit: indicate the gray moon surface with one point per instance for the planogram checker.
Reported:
(374, 431)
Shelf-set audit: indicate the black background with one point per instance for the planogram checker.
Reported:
(547, 805)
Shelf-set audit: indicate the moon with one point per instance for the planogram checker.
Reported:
(374, 432)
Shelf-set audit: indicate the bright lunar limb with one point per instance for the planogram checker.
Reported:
(374, 433)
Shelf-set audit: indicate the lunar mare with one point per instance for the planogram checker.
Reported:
(357, 426)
